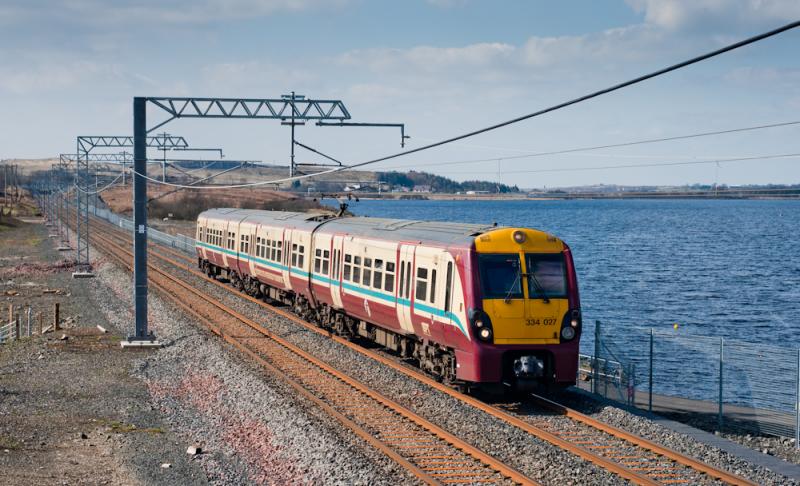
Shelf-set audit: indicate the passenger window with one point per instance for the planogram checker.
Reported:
(433, 286)
(294, 254)
(367, 277)
(408, 280)
(422, 284)
(347, 259)
(326, 258)
(389, 286)
(280, 252)
(317, 260)
(356, 274)
(402, 279)
(301, 257)
(377, 276)
(448, 286)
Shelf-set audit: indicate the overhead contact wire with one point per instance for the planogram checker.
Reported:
(559, 106)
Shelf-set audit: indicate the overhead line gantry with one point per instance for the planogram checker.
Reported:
(292, 109)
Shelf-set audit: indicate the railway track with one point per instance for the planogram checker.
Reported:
(634, 458)
(427, 451)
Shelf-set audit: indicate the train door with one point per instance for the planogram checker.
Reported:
(251, 249)
(404, 287)
(336, 270)
(287, 255)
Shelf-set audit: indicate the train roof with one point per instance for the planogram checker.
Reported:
(382, 228)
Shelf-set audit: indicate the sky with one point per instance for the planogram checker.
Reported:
(442, 67)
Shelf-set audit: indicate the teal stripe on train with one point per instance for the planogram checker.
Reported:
(370, 292)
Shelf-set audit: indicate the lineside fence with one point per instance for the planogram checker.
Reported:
(712, 382)
(22, 323)
(180, 242)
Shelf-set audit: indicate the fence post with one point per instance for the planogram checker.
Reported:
(28, 312)
(721, 361)
(16, 328)
(56, 317)
(650, 377)
(632, 385)
(797, 406)
(596, 370)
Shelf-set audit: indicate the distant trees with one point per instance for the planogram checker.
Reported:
(441, 184)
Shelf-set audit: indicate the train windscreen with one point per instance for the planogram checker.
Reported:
(546, 274)
(501, 276)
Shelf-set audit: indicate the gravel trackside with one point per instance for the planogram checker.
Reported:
(533, 457)
(251, 427)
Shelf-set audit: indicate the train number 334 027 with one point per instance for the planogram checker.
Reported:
(547, 321)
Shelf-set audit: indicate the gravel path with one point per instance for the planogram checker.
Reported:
(251, 427)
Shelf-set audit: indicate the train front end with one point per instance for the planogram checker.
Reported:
(526, 315)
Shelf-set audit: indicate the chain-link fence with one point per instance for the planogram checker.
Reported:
(712, 381)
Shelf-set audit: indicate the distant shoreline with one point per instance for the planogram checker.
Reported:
(501, 197)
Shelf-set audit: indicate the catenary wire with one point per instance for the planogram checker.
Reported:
(614, 145)
(650, 164)
(566, 169)
(559, 106)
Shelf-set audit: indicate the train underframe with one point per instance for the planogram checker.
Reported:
(437, 360)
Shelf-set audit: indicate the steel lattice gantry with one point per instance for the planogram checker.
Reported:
(291, 109)
(85, 144)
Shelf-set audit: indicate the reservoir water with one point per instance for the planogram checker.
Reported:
(727, 268)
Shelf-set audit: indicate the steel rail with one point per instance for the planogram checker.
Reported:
(639, 441)
(442, 474)
(585, 453)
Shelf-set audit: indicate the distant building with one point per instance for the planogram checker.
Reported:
(422, 188)
(473, 193)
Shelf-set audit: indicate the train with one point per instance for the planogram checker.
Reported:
(476, 306)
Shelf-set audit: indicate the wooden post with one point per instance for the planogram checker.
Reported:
(16, 327)
(41, 322)
(56, 317)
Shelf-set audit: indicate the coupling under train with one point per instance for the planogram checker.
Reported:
(474, 305)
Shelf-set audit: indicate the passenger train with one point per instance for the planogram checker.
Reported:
(474, 305)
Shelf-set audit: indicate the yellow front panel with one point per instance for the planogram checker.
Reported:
(523, 321)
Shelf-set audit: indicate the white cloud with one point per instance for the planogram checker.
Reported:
(714, 15)
(47, 75)
(429, 58)
(254, 77)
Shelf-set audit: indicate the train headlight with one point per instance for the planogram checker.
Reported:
(481, 325)
(574, 323)
(568, 333)
(520, 237)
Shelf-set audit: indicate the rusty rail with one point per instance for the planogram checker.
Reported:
(429, 452)
(645, 466)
